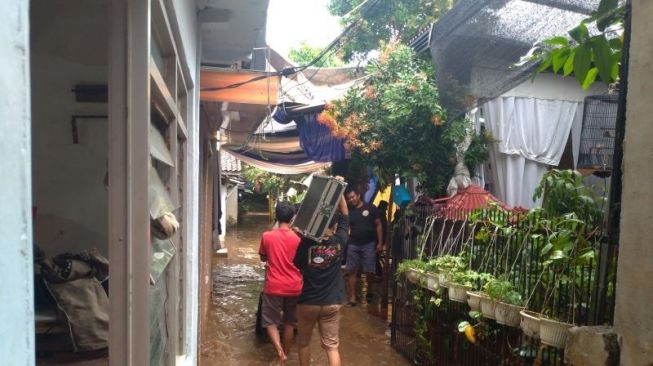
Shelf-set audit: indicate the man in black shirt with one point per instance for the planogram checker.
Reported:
(365, 240)
(323, 290)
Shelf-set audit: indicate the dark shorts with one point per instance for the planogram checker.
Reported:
(278, 310)
(328, 319)
(361, 256)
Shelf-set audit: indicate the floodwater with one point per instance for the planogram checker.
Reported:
(237, 281)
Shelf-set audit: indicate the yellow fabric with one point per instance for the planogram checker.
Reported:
(384, 195)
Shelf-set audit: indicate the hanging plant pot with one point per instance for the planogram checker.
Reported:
(432, 281)
(488, 307)
(474, 300)
(458, 292)
(414, 275)
(508, 314)
(554, 333)
(530, 323)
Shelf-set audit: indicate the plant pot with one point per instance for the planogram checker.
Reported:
(508, 314)
(458, 292)
(442, 279)
(488, 307)
(530, 323)
(474, 300)
(414, 275)
(432, 281)
(554, 333)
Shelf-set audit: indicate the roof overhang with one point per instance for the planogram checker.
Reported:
(230, 29)
(214, 84)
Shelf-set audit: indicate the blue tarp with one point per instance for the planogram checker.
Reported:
(315, 138)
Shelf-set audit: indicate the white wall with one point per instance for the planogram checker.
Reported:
(186, 19)
(231, 203)
(186, 12)
(69, 46)
(223, 205)
(16, 288)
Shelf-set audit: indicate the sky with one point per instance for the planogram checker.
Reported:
(292, 21)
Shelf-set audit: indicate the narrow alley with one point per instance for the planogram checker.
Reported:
(230, 338)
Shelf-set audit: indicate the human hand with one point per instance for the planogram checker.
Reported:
(379, 248)
(297, 230)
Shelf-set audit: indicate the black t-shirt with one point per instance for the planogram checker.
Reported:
(320, 267)
(363, 228)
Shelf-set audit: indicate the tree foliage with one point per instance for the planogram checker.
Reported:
(305, 53)
(386, 20)
(268, 183)
(586, 56)
(395, 122)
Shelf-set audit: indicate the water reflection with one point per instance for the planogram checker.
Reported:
(237, 281)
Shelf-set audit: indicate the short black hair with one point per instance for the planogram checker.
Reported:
(284, 212)
(350, 189)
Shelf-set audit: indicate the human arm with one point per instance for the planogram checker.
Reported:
(342, 232)
(261, 250)
(301, 256)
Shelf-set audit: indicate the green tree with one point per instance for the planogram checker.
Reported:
(395, 122)
(384, 20)
(304, 54)
(269, 183)
(585, 56)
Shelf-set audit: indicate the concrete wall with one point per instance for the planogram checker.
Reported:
(633, 318)
(16, 289)
(69, 45)
(231, 205)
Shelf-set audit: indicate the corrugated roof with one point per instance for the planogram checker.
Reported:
(229, 163)
(468, 200)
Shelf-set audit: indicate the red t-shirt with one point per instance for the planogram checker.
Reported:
(282, 277)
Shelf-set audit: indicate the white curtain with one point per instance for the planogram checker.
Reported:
(532, 134)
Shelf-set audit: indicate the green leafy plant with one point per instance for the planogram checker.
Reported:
(563, 192)
(268, 183)
(395, 123)
(479, 150)
(505, 291)
(386, 20)
(409, 264)
(305, 53)
(584, 55)
(471, 278)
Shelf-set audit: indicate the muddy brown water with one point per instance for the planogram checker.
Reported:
(230, 339)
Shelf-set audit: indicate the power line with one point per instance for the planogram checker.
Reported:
(295, 69)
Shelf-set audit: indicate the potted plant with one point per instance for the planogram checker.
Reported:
(432, 275)
(474, 296)
(413, 269)
(447, 265)
(461, 282)
(530, 323)
(508, 302)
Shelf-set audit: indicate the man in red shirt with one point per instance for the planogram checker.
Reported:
(283, 281)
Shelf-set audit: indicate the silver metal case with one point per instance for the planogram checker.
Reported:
(319, 206)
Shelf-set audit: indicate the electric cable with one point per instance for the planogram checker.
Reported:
(295, 69)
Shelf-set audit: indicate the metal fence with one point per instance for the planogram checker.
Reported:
(435, 233)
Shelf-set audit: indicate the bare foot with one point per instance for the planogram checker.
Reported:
(282, 357)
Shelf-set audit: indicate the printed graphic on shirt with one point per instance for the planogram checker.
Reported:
(366, 213)
(323, 256)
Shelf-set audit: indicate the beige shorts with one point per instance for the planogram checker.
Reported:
(328, 319)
